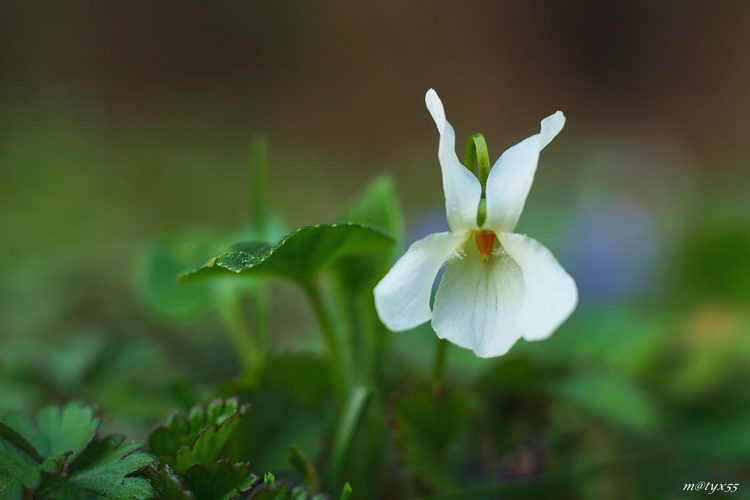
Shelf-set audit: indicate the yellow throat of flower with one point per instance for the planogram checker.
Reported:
(485, 241)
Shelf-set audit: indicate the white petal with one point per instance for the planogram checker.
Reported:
(461, 187)
(477, 303)
(402, 298)
(511, 177)
(551, 126)
(550, 294)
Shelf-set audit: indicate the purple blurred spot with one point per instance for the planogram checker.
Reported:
(612, 250)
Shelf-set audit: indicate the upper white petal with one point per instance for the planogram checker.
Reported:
(402, 298)
(511, 177)
(461, 187)
(477, 303)
(550, 294)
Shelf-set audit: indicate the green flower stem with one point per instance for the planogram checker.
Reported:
(261, 320)
(358, 334)
(230, 309)
(339, 372)
(350, 419)
(438, 364)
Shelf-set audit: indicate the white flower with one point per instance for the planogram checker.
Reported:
(498, 286)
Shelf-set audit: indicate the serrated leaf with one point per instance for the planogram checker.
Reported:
(611, 396)
(167, 485)
(299, 256)
(426, 427)
(102, 471)
(56, 430)
(19, 463)
(283, 491)
(220, 481)
(198, 436)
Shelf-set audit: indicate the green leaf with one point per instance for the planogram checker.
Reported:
(346, 492)
(158, 272)
(167, 485)
(19, 463)
(304, 466)
(220, 481)
(283, 491)
(611, 396)
(102, 471)
(198, 436)
(427, 428)
(378, 207)
(725, 437)
(299, 256)
(56, 430)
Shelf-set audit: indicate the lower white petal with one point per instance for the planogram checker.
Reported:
(550, 294)
(402, 298)
(477, 303)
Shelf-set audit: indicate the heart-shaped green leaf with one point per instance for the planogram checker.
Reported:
(299, 256)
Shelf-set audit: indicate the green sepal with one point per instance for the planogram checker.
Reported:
(476, 152)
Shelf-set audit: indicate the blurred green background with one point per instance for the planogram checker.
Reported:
(122, 122)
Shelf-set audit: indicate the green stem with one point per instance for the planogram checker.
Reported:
(338, 367)
(244, 344)
(261, 321)
(350, 418)
(438, 364)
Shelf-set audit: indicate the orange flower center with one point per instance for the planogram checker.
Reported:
(485, 241)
